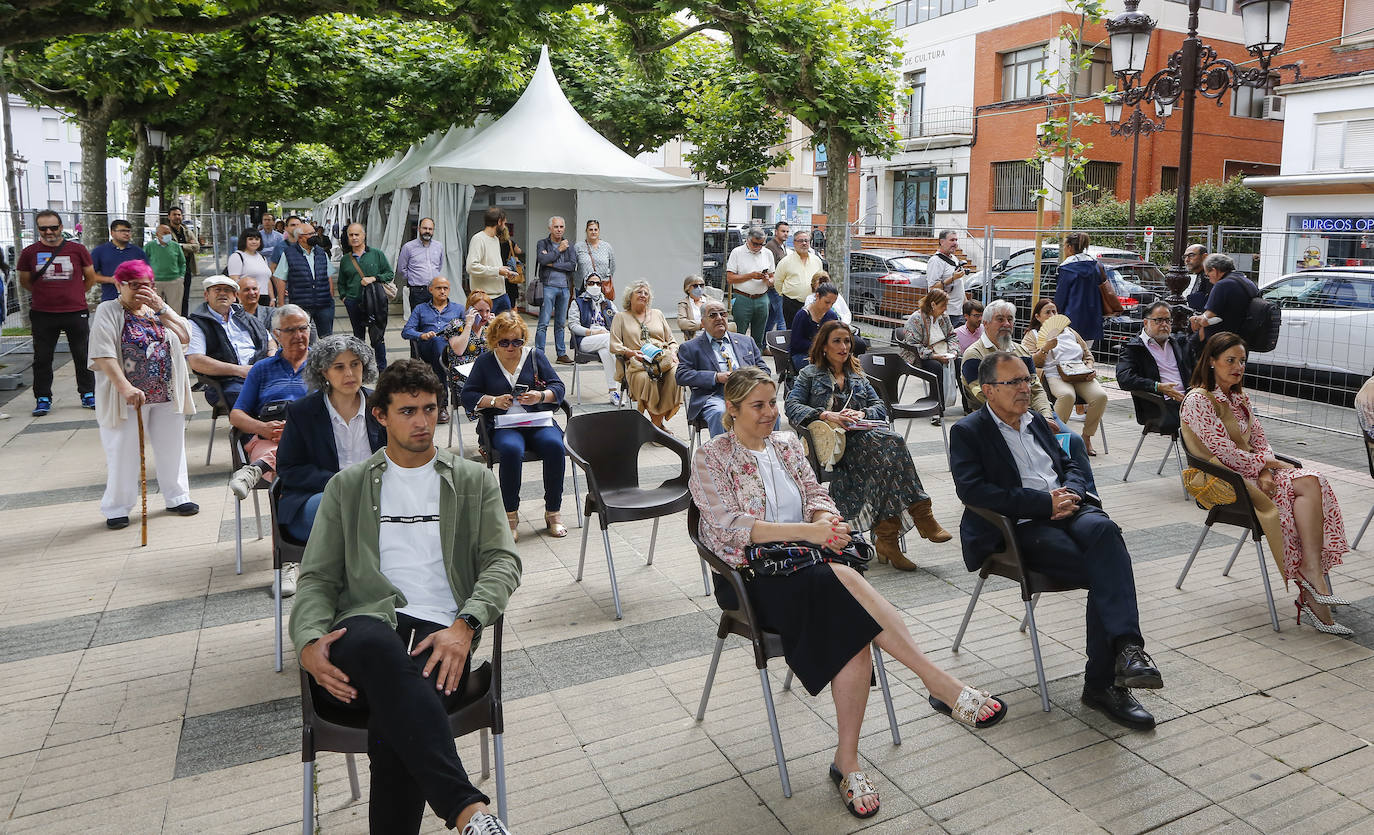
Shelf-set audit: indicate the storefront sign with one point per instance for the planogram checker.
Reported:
(1337, 224)
(916, 59)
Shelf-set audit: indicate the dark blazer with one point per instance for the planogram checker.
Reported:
(486, 378)
(697, 367)
(1137, 369)
(985, 476)
(307, 456)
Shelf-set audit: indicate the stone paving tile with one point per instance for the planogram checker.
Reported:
(63, 775)
(1204, 758)
(133, 812)
(1297, 803)
(26, 724)
(46, 638)
(1348, 775)
(815, 802)
(1015, 803)
(1116, 788)
(1212, 819)
(121, 706)
(232, 737)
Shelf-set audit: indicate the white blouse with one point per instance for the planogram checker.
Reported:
(1066, 351)
(782, 499)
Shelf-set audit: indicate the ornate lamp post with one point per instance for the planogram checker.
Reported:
(1193, 70)
(157, 140)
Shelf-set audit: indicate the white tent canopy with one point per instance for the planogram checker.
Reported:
(652, 219)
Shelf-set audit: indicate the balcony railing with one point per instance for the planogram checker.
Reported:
(938, 121)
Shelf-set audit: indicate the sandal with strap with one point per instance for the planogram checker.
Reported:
(853, 786)
(555, 525)
(513, 519)
(969, 705)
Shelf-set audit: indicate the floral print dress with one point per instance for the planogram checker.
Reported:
(1208, 426)
(146, 358)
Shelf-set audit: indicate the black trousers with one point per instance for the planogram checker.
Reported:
(790, 308)
(47, 328)
(1087, 550)
(410, 748)
(367, 329)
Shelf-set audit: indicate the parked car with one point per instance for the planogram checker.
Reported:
(1024, 259)
(716, 246)
(1325, 340)
(885, 282)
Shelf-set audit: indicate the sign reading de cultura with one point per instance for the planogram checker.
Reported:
(911, 60)
(1337, 224)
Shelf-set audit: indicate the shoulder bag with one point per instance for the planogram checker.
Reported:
(388, 287)
(1111, 305)
(779, 559)
(37, 274)
(1206, 489)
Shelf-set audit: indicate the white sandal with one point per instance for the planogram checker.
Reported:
(555, 525)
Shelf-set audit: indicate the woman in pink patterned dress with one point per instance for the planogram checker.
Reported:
(1302, 522)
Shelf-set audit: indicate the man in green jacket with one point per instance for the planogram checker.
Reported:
(169, 266)
(409, 558)
(368, 315)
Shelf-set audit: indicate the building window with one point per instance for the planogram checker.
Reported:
(1248, 102)
(951, 193)
(1014, 185)
(915, 103)
(55, 190)
(1357, 26)
(912, 12)
(1097, 76)
(1168, 178)
(1342, 146)
(1214, 5)
(1020, 73)
(913, 201)
(1096, 182)
(52, 129)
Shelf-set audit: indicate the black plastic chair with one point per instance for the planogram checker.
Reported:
(886, 371)
(695, 427)
(779, 347)
(285, 549)
(1240, 513)
(766, 645)
(1010, 564)
(455, 406)
(606, 445)
(1151, 410)
(1369, 454)
(493, 458)
(217, 410)
(239, 454)
(326, 727)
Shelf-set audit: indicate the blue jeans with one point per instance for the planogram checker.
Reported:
(432, 351)
(775, 320)
(500, 304)
(556, 306)
(231, 393)
(712, 411)
(546, 442)
(1078, 452)
(751, 316)
(323, 317)
(300, 528)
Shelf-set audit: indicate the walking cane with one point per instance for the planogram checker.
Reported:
(142, 476)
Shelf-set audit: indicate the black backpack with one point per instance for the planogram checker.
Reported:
(1263, 320)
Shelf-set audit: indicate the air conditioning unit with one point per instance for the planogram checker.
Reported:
(1271, 107)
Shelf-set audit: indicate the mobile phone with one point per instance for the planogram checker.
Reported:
(521, 389)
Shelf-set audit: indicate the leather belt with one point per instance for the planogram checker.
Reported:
(750, 295)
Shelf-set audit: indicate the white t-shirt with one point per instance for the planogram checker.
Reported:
(350, 437)
(938, 269)
(742, 261)
(255, 266)
(411, 557)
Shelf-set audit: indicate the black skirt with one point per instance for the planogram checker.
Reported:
(822, 626)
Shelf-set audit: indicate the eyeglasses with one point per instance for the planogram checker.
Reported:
(1157, 318)
(596, 281)
(1016, 382)
(297, 329)
(691, 286)
(716, 314)
(511, 343)
(49, 228)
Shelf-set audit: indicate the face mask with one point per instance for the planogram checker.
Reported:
(426, 237)
(317, 240)
(594, 290)
(696, 292)
(166, 239)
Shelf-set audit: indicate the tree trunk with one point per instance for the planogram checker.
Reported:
(837, 150)
(95, 141)
(139, 170)
(12, 185)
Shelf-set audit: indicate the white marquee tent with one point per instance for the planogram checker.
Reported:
(542, 146)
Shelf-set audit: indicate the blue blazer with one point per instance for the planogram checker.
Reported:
(1077, 296)
(697, 367)
(985, 476)
(486, 378)
(307, 456)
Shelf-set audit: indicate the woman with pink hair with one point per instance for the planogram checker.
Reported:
(138, 345)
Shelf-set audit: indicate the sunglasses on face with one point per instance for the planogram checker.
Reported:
(511, 343)
(1014, 382)
(49, 228)
(716, 314)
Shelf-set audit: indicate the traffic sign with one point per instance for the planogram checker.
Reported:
(1149, 234)
(751, 193)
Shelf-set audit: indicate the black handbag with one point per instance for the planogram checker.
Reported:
(779, 559)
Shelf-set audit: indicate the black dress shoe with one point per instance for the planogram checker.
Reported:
(1135, 668)
(1120, 705)
(117, 523)
(185, 509)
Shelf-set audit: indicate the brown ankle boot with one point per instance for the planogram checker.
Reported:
(886, 536)
(926, 525)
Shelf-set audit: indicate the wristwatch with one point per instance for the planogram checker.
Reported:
(473, 623)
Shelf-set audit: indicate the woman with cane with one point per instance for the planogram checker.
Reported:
(137, 343)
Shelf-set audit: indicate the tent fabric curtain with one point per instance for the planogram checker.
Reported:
(390, 239)
(451, 202)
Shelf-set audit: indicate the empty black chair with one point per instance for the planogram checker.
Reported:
(285, 549)
(1008, 563)
(1151, 411)
(456, 410)
(885, 372)
(326, 727)
(218, 410)
(493, 458)
(766, 645)
(239, 454)
(779, 347)
(1240, 513)
(606, 446)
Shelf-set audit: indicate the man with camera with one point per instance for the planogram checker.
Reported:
(944, 271)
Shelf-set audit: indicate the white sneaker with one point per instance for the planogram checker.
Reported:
(1076, 416)
(485, 823)
(288, 579)
(244, 478)
(614, 397)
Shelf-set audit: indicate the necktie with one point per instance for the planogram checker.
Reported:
(725, 355)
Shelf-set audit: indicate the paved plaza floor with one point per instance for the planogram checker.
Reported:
(139, 695)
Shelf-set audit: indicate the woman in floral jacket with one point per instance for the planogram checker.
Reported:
(753, 485)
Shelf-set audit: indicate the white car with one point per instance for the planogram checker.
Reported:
(1328, 325)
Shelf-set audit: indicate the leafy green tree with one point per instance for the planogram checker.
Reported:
(1210, 203)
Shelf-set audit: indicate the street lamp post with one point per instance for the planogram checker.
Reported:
(1194, 69)
(213, 171)
(157, 140)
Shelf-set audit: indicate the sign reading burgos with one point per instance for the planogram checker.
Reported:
(1338, 224)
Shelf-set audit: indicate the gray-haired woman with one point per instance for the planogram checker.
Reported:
(327, 430)
(641, 336)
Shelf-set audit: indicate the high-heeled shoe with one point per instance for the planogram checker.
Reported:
(513, 518)
(555, 525)
(1328, 599)
(1315, 622)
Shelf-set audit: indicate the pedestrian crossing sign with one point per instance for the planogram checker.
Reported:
(751, 193)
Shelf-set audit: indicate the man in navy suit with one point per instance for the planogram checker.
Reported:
(1158, 361)
(1004, 458)
(703, 364)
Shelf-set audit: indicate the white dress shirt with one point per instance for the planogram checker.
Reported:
(1032, 461)
(350, 436)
